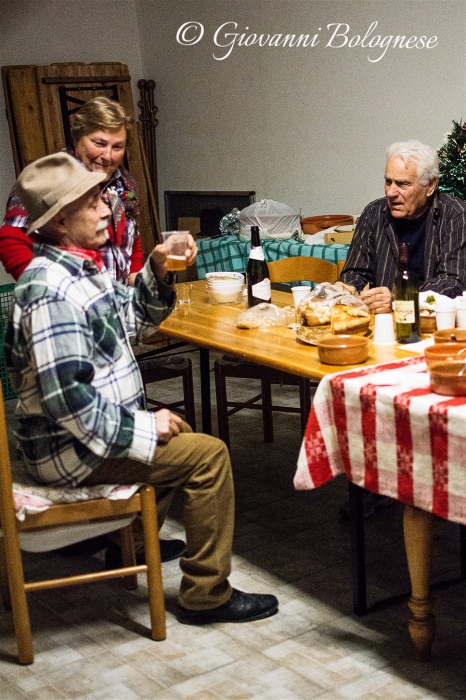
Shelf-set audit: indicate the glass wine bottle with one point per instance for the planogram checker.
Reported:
(257, 272)
(406, 295)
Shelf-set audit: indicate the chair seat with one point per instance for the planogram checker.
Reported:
(48, 540)
(29, 497)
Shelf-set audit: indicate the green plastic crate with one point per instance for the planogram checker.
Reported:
(6, 300)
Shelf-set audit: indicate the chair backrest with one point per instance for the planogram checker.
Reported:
(340, 266)
(302, 267)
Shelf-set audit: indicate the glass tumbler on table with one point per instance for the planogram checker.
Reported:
(291, 317)
(183, 293)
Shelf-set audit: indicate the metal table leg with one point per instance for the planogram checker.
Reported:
(358, 554)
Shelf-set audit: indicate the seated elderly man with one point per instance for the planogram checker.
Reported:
(413, 211)
(81, 412)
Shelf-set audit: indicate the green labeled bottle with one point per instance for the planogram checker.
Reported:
(406, 296)
(259, 289)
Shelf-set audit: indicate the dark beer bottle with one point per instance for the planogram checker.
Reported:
(257, 272)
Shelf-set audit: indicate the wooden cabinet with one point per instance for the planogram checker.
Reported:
(40, 101)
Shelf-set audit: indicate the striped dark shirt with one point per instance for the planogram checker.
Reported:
(373, 255)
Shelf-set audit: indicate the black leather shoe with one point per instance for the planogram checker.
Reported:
(242, 607)
(169, 550)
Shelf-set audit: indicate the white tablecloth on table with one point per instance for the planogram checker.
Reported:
(385, 429)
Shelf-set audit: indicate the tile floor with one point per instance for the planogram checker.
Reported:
(91, 642)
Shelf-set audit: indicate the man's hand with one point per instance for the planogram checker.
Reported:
(347, 287)
(159, 257)
(378, 299)
(168, 425)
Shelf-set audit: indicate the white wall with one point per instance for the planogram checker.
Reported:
(54, 31)
(305, 126)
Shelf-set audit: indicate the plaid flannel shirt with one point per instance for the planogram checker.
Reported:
(80, 392)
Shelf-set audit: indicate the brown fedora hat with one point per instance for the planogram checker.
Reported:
(48, 184)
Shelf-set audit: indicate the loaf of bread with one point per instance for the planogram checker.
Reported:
(317, 314)
(326, 301)
(350, 319)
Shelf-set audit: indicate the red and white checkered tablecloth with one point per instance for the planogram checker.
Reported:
(385, 429)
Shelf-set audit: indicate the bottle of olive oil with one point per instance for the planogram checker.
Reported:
(259, 289)
(406, 295)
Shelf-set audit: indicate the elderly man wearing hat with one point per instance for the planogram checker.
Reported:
(81, 403)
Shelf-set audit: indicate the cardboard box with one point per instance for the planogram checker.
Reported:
(189, 223)
(339, 237)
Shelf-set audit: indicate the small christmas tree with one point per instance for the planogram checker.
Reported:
(452, 157)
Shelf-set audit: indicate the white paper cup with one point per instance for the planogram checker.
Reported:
(445, 315)
(461, 313)
(384, 332)
(299, 293)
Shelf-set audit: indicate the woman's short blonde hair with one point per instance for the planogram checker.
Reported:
(100, 113)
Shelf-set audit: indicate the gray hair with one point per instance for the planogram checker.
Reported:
(424, 156)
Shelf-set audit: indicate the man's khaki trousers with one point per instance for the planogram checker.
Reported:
(200, 466)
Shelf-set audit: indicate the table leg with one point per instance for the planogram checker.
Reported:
(204, 362)
(358, 551)
(418, 535)
(463, 550)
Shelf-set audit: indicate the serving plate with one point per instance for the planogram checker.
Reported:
(311, 334)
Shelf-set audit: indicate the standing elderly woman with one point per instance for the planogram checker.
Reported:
(100, 131)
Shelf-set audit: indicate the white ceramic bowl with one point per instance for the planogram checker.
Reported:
(222, 279)
(228, 294)
(224, 287)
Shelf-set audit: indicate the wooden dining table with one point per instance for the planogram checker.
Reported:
(386, 429)
(213, 327)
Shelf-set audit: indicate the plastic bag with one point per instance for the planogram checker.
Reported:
(261, 316)
(275, 221)
(229, 224)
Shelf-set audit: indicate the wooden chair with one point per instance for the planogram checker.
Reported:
(340, 266)
(158, 362)
(171, 367)
(298, 268)
(69, 515)
(302, 267)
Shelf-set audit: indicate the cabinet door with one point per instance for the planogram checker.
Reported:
(40, 101)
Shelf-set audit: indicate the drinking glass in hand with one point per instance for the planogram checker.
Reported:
(176, 243)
